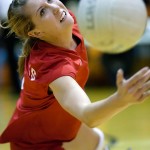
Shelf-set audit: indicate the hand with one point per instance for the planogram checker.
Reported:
(135, 89)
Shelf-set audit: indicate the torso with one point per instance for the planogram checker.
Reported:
(37, 109)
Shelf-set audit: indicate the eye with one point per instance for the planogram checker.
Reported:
(49, 1)
(42, 12)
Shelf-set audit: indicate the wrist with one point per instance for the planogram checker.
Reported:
(119, 101)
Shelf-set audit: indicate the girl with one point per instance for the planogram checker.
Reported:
(53, 111)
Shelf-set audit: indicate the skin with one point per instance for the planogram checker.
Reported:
(46, 16)
(132, 91)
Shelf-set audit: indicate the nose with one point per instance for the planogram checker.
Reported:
(54, 7)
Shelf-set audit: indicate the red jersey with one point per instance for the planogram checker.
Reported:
(39, 121)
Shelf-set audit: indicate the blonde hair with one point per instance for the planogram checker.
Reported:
(20, 24)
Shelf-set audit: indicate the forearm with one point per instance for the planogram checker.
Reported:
(99, 112)
(75, 101)
(132, 91)
(92, 114)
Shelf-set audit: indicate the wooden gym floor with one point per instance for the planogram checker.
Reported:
(129, 130)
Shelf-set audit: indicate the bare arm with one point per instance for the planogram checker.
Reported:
(74, 100)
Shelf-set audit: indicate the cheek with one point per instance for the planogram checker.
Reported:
(47, 23)
(50, 26)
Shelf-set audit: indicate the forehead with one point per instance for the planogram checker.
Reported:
(32, 6)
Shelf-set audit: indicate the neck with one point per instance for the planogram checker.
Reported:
(66, 41)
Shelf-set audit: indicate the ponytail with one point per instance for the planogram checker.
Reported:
(25, 53)
(21, 23)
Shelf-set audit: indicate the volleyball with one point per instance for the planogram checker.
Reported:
(112, 26)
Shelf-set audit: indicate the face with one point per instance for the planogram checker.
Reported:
(51, 18)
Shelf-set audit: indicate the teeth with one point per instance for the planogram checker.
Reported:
(63, 16)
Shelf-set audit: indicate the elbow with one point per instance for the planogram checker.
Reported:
(90, 125)
(90, 122)
(90, 119)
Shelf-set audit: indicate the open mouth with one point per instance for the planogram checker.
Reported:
(63, 16)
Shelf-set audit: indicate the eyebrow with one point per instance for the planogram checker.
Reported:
(38, 10)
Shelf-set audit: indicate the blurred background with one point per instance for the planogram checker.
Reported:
(126, 131)
(102, 66)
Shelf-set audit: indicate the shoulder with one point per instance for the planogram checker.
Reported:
(50, 63)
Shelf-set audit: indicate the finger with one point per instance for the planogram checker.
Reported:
(144, 96)
(139, 95)
(144, 92)
(120, 77)
(147, 76)
(142, 81)
(135, 78)
(146, 86)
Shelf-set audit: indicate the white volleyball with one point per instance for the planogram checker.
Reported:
(112, 26)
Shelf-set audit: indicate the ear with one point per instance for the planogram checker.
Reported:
(35, 33)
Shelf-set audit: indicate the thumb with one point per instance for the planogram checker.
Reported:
(120, 77)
